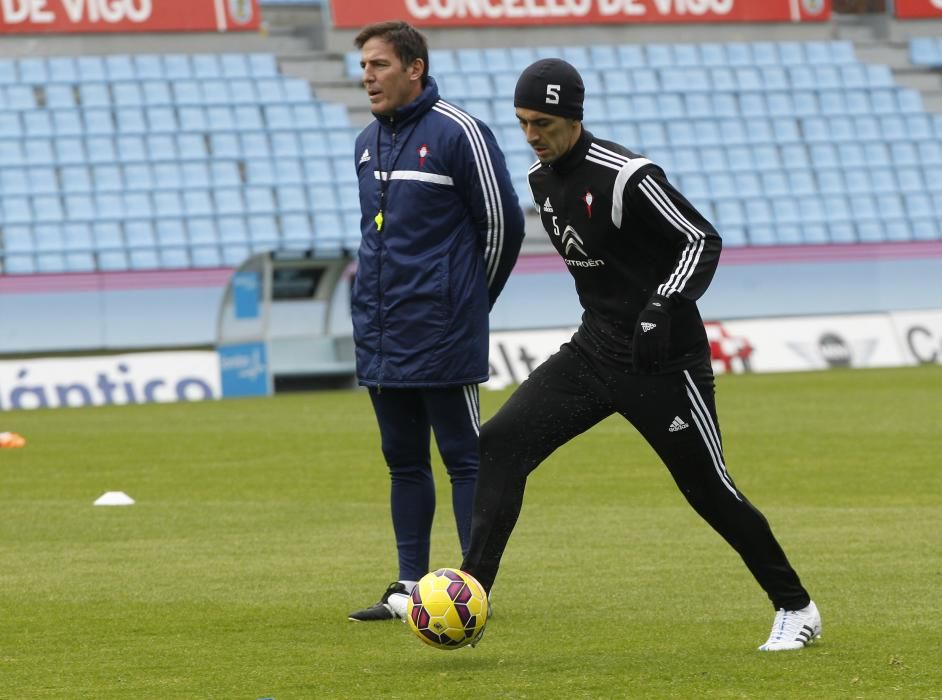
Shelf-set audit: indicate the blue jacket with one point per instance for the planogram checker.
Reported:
(451, 230)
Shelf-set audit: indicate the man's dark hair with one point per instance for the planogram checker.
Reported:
(404, 38)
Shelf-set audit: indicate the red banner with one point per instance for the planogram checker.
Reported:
(460, 13)
(918, 9)
(93, 16)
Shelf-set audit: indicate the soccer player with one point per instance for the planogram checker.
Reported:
(641, 255)
(441, 229)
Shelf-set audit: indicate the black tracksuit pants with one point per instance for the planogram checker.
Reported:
(675, 413)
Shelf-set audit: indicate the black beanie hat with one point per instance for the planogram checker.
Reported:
(551, 86)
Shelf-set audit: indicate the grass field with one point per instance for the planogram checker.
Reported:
(260, 523)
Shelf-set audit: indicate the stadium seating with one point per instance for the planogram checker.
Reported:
(780, 142)
(135, 162)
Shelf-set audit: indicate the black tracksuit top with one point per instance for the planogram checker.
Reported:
(626, 234)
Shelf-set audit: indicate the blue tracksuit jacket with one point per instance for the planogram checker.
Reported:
(451, 231)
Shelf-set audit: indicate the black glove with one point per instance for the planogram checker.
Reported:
(651, 340)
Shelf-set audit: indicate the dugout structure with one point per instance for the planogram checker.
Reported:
(279, 324)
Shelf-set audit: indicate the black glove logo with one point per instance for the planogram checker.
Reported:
(651, 342)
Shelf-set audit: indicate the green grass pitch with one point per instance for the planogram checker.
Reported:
(260, 523)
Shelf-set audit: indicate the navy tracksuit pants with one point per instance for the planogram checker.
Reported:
(406, 420)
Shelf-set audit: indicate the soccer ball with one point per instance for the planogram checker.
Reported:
(447, 609)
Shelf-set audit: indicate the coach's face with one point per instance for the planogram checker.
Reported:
(549, 136)
(388, 83)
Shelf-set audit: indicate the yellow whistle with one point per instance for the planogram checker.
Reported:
(379, 221)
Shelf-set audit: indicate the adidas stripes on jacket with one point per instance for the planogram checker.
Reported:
(626, 233)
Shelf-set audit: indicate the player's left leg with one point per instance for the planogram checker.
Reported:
(455, 416)
(677, 416)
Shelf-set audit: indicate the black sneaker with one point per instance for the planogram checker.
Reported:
(382, 610)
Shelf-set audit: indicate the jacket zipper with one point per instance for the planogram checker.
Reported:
(379, 281)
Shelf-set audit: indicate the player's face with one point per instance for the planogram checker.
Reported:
(549, 136)
(388, 83)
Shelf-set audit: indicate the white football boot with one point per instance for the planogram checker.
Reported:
(794, 629)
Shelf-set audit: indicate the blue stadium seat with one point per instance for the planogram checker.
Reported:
(167, 175)
(215, 92)
(225, 145)
(107, 235)
(67, 122)
(120, 67)
(157, 93)
(191, 146)
(131, 120)
(33, 71)
(38, 152)
(225, 173)
(863, 208)
(247, 117)
(205, 65)
(205, 256)
(753, 104)
(832, 181)
(234, 255)
(923, 51)
(290, 198)
(883, 101)
(878, 76)
(921, 230)
(80, 207)
(197, 202)
(930, 151)
(13, 182)
(37, 123)
(231, 230)
(279, 117)
(20, 97)
(851, 155)
(869, 232)
(59, 97)
(167, 204)
(42, 180)
(75, 179)
(201, 231)
(296, 90)
(712, 54)
(173, 258)
(177, 67)
(148, 67)
(467, 60)
(263, 232)
(318, 169)
(823, 155)
(193, 119)
(296, 230)
(910, 179)
(877, 154)
(94, 95)
(137, 204)
(242, 91)
(857, 180)
(263, 65)
(234, 65)
(259, 200)
(739, 54)
(170, 232)
(909, 101)
(139, 234)
(10, 125)
(195, 175)
(143, 259)
(98, 121)
(903, 153)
